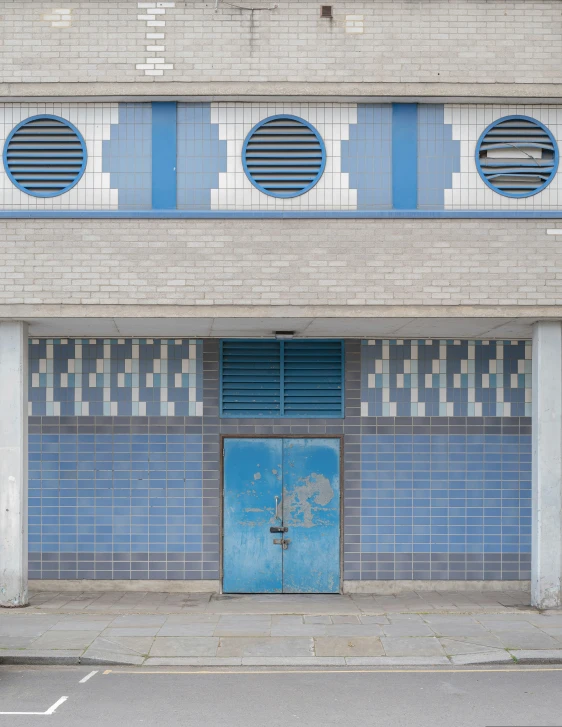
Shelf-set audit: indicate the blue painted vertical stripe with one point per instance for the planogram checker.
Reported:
(164, 155)
(404, 156)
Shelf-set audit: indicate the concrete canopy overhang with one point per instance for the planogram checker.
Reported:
(264, 321)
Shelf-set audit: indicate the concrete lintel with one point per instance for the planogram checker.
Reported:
(47, 311)
(395, 588)
(296, 91)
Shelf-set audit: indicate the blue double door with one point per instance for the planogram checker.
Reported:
(281, 525)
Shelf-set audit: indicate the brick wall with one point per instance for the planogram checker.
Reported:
(281, 262)
(461, 41)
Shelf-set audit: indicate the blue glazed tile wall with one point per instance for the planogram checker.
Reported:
(439, 156)
(367, 156)
(127, 156)
(445, 506)
(136, 497)
(97, 376)
(201, 156)
(445, 378)
(113, 498)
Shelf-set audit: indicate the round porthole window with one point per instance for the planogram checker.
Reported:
(45, 156)
(284, 156)
(517, 156)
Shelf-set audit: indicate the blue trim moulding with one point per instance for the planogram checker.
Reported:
(290, 214)
(164, 143)
(404, 155)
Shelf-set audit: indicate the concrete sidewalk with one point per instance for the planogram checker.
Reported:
(163, 629)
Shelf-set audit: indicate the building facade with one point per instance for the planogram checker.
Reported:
(281, 296)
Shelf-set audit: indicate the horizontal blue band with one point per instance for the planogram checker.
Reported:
(271, 214)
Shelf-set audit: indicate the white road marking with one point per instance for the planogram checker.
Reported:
(51, 710)
(89, 676)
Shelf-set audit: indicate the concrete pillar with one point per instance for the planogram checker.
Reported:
(546, 568)
(13, 464)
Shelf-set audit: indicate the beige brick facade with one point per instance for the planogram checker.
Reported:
(280, 262)
(462, 41)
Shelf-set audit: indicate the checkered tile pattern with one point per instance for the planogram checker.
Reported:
(445, 378)
(115, 377)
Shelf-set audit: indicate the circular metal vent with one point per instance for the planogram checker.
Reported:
(284, 156)
(517, 156)
(45, 156)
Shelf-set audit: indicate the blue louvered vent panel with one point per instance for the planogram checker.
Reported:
(517, 156)
(45, 157)
(282, 379)
(284, 156)
(251, 378)
(313, 378)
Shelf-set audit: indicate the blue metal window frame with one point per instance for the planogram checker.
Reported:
(54, 118)
(322, 147)
(282, 415)
(511, 118)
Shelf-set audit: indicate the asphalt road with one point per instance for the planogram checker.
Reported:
(282, 698)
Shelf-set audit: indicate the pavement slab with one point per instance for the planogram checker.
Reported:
(412, 646)
(64, 640)
(184, 646)
(344, 646)
(272, 646)
(420, 627)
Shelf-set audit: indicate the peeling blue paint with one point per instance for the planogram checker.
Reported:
(291, 483)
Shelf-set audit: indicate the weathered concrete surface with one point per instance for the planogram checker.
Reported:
(546, 565)
(13, 464)
(164, 629)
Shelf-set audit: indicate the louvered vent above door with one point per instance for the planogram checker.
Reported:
(517, 156)
(250, 378)
(284, 156)
(282, 379)
(45, 156)
(313, 378)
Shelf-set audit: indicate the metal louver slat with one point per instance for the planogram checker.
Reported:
(250, 378)
(282, 378)
(517, 156)
(284, 156)
(313, 378)
(45, 156)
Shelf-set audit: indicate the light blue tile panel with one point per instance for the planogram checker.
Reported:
(439, 155)
(115, 493)
(404, 156)
(445, 378)
(367, 156)
(446, 493)
(127, 156)
(201, 156)
(115, 377)
(164, 157)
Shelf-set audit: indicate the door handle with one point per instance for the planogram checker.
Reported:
(277, 503)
